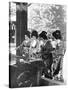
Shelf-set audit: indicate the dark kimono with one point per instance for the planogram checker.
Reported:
(47, 58)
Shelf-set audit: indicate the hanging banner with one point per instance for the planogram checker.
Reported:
(12, 11)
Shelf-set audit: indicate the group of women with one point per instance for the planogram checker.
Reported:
(41, 46)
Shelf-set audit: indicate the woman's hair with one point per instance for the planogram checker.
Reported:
(34, 33)
(28, 34)
(43, 35)
(57, 34)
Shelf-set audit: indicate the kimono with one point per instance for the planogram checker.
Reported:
(47, 58)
